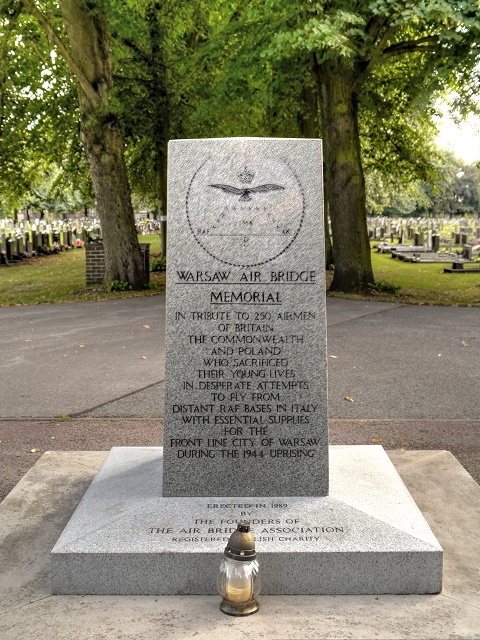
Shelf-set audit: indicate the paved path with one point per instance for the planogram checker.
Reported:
(34, 515)
(388, 360)
(65, 359)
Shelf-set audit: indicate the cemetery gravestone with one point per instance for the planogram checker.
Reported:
(3, 249)
(245, 422)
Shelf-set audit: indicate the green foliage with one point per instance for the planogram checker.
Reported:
(388, 195)
(397, 130)
(191, 68)
(455, 191)
(157, 264)
(385, 287)
(38, 117)
(59, 278)
(117, 285)
(403, 54)
(155, 85)
(152, 286)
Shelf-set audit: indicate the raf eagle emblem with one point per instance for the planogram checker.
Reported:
(244, 192)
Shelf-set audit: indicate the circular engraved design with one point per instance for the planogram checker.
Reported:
(245, 210)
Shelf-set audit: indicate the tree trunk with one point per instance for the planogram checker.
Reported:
(308, 119)
(329, 255)
(310, 128)
(101, 136)
(344, 176)
(161, 189)
(161, 115)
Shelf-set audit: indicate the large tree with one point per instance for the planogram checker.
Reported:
(240, 92)
(350, 42)
(86, 50)
(42, 163)
(38, 107)
(152, 46)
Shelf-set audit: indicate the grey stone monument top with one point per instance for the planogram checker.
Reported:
(246, 381)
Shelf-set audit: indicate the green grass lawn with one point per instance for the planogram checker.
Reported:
(421, 283)
(61, 278)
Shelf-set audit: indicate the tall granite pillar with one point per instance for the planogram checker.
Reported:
(245, 345)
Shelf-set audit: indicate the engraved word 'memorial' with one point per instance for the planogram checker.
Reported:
(246, 177)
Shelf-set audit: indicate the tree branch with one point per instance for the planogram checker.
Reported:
(379, 49)
(85, 85)
(374, 26)
(5, 42)
(147, 56)
(411, 46)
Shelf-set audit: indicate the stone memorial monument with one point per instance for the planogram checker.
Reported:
(246, 361)
(246, 433)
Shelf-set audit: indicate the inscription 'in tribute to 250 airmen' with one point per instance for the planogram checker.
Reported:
(246, 406)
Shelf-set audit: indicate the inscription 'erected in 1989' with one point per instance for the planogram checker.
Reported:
(245, 410)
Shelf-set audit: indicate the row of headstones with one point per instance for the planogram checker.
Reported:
(146, 226)
(15, 247)
(419, 238)
(460, 224)
(392, 231)
(84, 229)
(38, 224)
(465, 236)
(428, 237)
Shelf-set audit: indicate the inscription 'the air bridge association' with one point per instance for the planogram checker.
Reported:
(245, 406)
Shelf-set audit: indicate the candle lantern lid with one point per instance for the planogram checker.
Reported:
(241, 545)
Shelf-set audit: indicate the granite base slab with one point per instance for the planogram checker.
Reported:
(367, 537)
